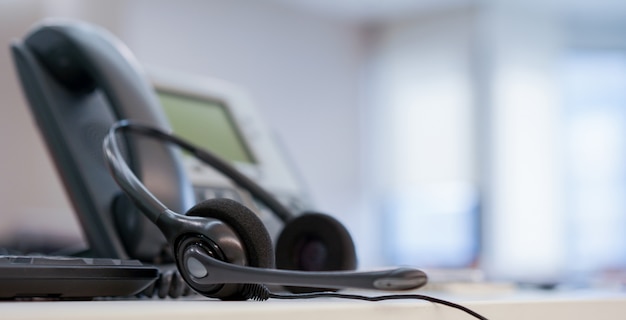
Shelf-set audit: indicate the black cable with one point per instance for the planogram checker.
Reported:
(261, 293)
(376, 298)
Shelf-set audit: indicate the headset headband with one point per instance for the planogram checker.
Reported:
(145, 200)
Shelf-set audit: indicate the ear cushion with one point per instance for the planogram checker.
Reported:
(315, 242)
(245, 223)
(250, 230)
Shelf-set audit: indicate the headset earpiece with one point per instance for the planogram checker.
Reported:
(246, 224)
(315, 242)
(255, 239)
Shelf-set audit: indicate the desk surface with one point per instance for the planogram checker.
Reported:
(519, 305)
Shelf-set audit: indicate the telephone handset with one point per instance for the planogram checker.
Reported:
(79, 80)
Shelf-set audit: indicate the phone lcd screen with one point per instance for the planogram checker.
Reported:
(206, 123)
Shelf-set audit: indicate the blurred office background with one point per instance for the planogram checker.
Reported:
(443, 133)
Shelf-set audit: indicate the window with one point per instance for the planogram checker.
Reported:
(594, 131)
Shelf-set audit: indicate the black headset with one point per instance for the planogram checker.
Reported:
(217, 241)
(222, 249)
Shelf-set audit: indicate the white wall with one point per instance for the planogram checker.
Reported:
(422, 69)
(422, 176)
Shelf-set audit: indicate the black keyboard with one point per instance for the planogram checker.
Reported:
(72, 278)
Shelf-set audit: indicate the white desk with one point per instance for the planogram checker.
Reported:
(512, 306)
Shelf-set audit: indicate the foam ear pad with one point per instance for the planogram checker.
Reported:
(315, 242)
(246, 224)
(248, 227)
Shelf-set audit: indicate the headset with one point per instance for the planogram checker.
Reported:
(217, 239)
(222, 249)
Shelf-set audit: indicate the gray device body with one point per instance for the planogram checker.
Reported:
(79, 80)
